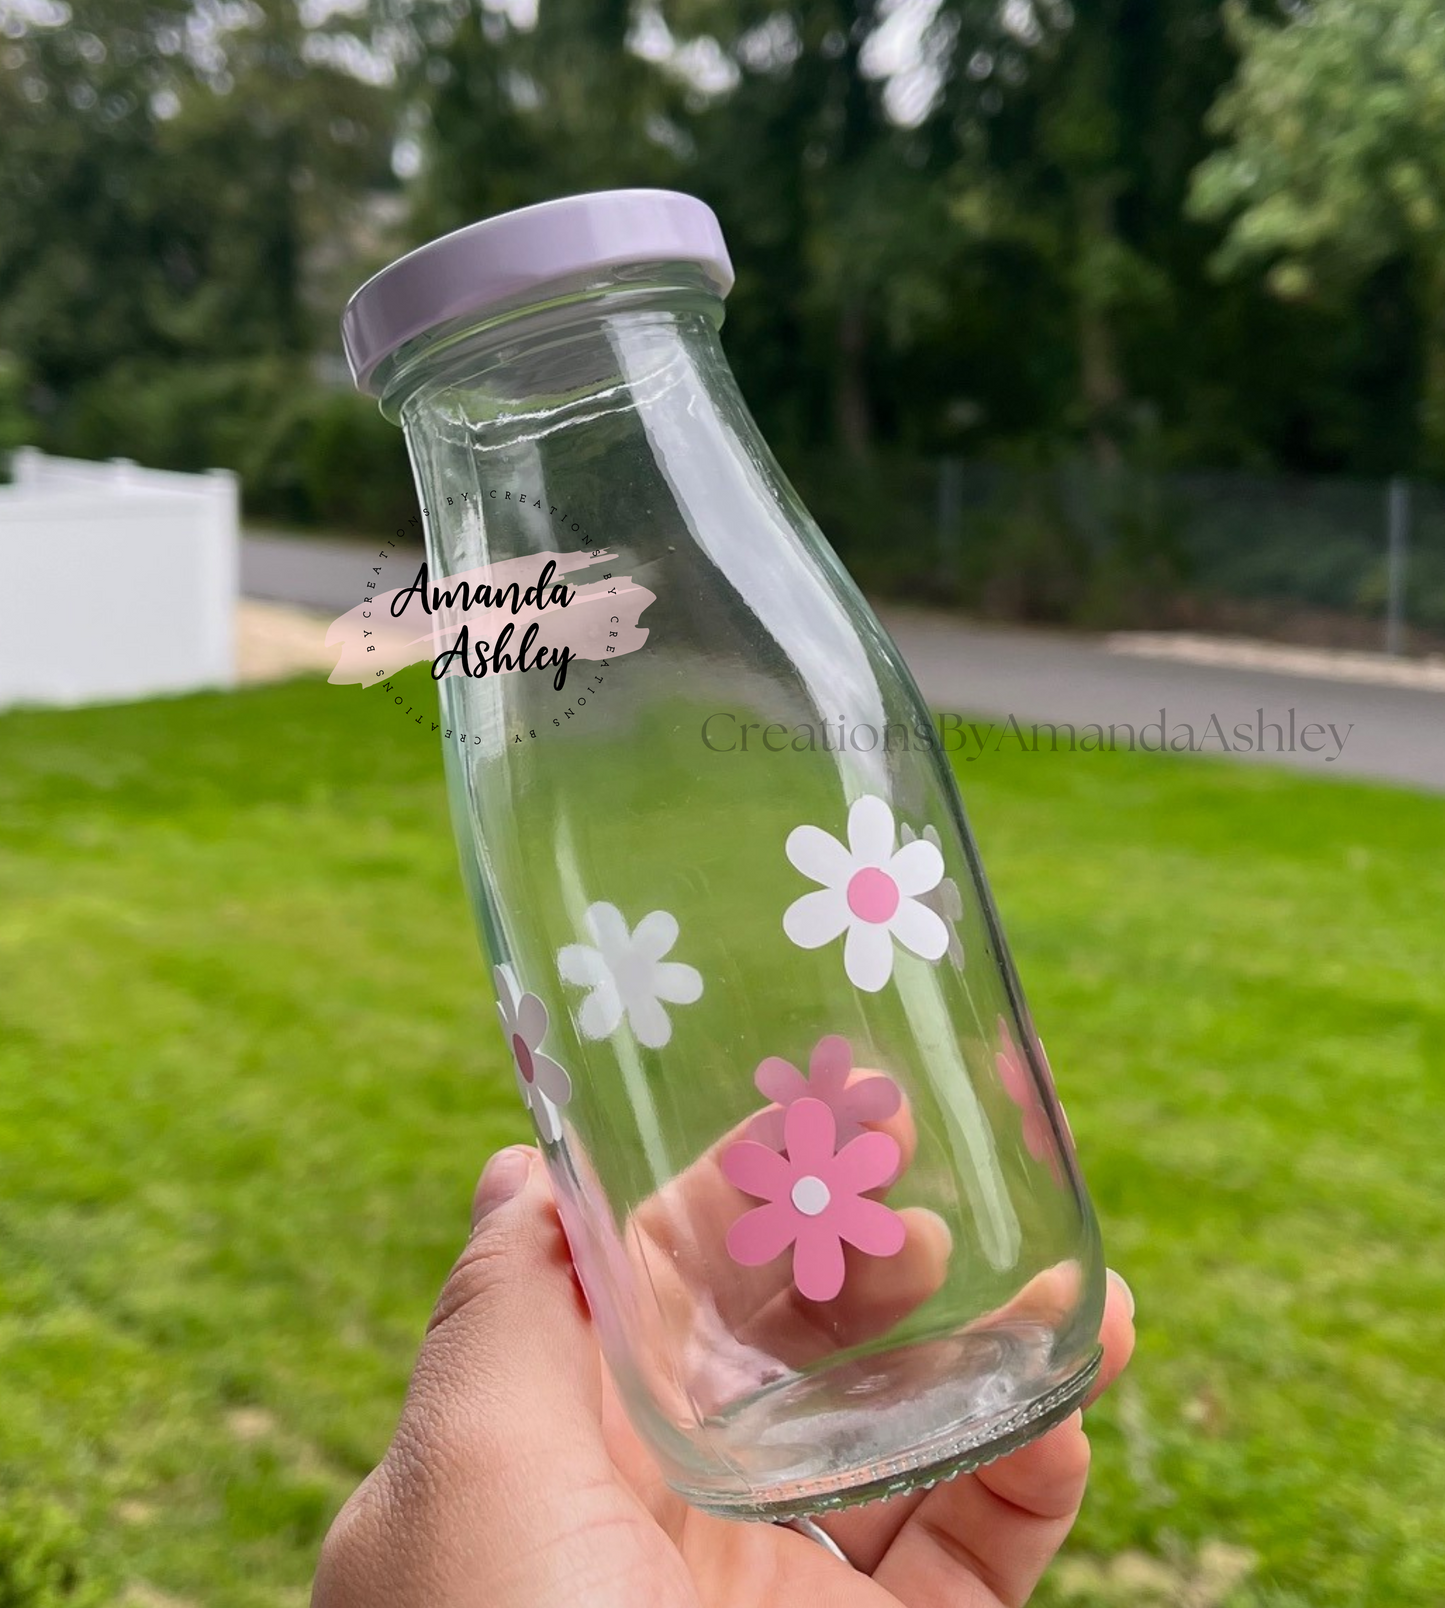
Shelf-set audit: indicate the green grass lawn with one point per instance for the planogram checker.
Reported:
(249, 1071)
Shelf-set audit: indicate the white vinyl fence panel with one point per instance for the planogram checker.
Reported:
(116, 582)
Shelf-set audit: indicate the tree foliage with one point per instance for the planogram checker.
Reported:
(164, 170)
(974, 228)
(1334, 165)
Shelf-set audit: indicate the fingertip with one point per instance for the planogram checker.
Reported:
(505, 1175)
(1064, 1433)
(931, 1234)
(899, 1123)
(1118, 1283)
(1116, 1335)
(1076, 1452)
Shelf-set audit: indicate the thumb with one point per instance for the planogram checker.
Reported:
(509, 1345)
(498, 1467)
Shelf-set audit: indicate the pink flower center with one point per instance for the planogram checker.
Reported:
(810, 1196)
(872, 895)
(524, 1058)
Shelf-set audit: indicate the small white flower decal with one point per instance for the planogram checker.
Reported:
(869, 891)
(543, 1084)
(945, 900)
(628, 975)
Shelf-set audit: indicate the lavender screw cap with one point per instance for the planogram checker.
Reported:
(503, 257)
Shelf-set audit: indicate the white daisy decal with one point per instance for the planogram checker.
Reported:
(543, 1084)
(628, 975)
(870, 891)
(945, 900)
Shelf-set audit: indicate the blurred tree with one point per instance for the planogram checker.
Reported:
(164, 168)
(84, 204)
(958, 225)
(1335, 163)
(543, 104)
(773, 114)
(804, 168)
(1077, 136)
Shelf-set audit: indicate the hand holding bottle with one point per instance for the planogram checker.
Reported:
(515, 1480)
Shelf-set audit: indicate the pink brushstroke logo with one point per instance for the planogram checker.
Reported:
(496, 619)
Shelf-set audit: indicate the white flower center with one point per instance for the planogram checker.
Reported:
(810, 1196)
(634, 975)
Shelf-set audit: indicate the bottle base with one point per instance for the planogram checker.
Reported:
(962, 1443)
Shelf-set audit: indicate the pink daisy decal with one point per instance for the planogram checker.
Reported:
(1019, 1085)
(816, 1199)
(867, 1099)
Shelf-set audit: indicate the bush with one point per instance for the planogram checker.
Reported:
(16, 426)
(353, 465)
(879, 516)
(1039, 539)
(305, 454)
(1029, 559)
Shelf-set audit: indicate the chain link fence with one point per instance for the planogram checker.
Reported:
(1331, 562)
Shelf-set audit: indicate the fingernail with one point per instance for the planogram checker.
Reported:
(1117, 1280)
(501, 1178)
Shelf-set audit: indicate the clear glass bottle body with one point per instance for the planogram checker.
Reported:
(806, 1148)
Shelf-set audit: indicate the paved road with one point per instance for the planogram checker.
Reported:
(1394, 733)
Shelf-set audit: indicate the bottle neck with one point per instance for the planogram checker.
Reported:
(540, 354)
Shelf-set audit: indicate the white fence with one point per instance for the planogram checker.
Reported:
(116, 582)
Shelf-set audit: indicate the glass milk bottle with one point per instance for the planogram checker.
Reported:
(803, 1137)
